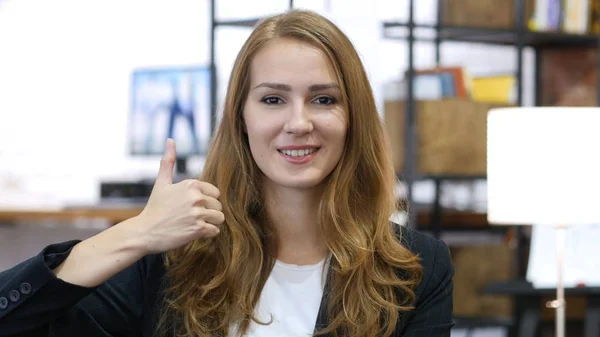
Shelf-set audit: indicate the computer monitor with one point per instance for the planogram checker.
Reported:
(172, 103)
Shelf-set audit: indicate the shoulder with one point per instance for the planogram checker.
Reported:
(434, 255)
(432, 314)
(428, 248)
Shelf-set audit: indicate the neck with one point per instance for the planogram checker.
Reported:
(293, 213)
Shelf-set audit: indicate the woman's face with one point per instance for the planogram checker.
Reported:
(294, 116)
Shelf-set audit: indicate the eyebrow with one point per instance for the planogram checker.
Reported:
(285, 87)
(319, 87)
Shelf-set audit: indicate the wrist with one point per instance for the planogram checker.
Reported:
(98, 258)
(135, 240)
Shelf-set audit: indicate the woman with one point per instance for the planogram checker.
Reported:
(286, 233)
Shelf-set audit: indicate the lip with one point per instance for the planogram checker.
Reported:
(299, 160)
(299, 147)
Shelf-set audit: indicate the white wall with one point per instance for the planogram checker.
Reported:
(65, 67)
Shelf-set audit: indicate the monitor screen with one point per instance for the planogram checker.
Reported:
(170, 103)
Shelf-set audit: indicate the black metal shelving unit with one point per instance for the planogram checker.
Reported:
(215, 23)
(518, 37)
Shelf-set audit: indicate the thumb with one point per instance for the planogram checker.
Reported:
(167, 162)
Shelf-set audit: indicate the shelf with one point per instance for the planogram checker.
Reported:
(238, 23)
(524, 288)
(423, 32)
(455, 239)
(458, 220)
(442, 177)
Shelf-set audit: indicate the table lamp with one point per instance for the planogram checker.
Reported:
(543, 168)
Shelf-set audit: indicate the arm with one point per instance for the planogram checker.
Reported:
(433, 313)
(111, 251)
(76, 285)
(95, 287)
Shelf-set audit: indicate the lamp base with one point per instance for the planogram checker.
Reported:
(560, 304)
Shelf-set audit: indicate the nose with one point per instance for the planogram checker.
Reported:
(299, 121)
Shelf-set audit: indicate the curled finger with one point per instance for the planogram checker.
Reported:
(206, 230)
(212, 216)
(208, 202)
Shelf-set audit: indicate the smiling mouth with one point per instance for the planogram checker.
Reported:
(298, 153)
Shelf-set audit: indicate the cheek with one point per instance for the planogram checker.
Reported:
(251, 125)
(336, 128)
(261, 130)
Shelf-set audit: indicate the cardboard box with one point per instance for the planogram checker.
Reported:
(495, 14)
(451, 135)
(475, 267)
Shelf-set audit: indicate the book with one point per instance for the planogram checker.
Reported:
(499, 89)
(457, 76)
(577, 14)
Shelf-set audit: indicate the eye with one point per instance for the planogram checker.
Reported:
(325, 100)
(269, 100)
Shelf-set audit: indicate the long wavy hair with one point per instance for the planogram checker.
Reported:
(215, 282)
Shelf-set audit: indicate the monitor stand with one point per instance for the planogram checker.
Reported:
(181, 166)
(181, 170)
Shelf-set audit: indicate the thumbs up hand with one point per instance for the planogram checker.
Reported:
(177, 214)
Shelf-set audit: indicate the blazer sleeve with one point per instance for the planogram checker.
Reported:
(433, 312)
(34, 302)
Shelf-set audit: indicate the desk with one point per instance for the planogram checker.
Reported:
(119, 212)
(114, 214)
(528, 305)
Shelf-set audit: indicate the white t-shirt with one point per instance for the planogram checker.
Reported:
(291, 297)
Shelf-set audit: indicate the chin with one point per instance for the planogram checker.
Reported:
(297, 182)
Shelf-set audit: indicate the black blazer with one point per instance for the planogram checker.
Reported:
(35, 303)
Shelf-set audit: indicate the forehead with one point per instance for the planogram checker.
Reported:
(291, 61)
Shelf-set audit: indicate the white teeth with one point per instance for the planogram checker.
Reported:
(298, 153)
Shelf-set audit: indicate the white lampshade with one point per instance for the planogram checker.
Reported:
(543, 166)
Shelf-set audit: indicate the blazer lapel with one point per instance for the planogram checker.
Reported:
(322, 318)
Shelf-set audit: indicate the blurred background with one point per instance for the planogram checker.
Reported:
(90, 90)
